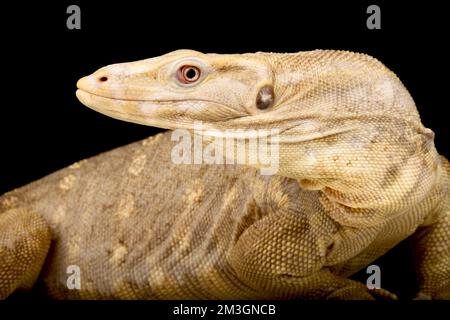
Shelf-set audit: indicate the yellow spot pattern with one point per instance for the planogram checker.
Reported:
(138, 164)
(67, 182)
(126, 206)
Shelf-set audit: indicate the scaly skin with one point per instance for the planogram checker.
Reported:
(357, 174)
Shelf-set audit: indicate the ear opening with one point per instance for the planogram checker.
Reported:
(265, 97)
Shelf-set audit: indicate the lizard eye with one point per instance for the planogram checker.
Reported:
(188, 74)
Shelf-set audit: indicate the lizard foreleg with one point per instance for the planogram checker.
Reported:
(24, 243)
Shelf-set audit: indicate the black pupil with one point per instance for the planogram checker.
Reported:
(191, 73)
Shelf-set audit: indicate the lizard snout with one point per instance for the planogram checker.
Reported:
(99, 84)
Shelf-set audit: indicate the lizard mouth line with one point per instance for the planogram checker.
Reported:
(95, 95)
(81, 93)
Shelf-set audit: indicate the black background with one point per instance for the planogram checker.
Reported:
(43, 127)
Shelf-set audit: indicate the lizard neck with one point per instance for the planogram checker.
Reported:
(353, 133)
(363, 187)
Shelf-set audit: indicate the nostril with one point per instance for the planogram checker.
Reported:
(103, 79)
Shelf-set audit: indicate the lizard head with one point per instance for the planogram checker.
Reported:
(308, 96)
(176, 90)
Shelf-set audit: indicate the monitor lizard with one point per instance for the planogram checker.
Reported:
(358, 173)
